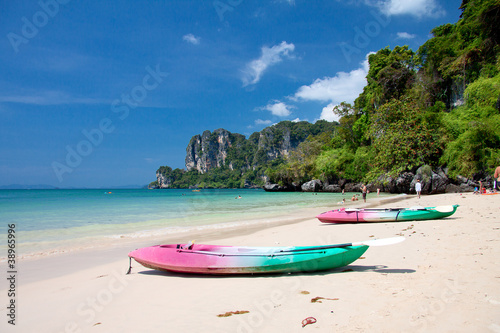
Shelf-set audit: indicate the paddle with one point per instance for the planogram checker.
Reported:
(445, 209)
(371, 242)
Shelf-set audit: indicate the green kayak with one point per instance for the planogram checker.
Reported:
(346, 215)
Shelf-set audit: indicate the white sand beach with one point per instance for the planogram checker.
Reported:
(444, 277)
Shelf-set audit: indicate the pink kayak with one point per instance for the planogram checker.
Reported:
(223, 260)
(352, 215)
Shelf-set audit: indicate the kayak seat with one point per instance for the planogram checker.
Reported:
(189, 246)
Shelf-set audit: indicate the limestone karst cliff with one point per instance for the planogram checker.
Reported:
(223, 148)
(209, 150)
(232, 151)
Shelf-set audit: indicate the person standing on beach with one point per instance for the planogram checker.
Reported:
(418, 188)
(496, 181)
(364, 191)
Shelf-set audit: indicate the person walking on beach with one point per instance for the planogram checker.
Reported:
(364, 190)
(418, 188)
(496, 181)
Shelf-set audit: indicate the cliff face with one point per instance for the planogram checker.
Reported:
(274, 143)
(164, 181)
(223, 148)
(208, 151)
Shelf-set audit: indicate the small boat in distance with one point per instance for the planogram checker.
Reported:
(353, 215)
(228, 260)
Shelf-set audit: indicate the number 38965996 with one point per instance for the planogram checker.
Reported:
(11, 241)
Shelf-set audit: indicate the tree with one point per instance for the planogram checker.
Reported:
(459, 53)
(391, 74)
(402, 139)
(353, 126)
(475, 130)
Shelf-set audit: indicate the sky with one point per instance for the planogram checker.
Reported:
(101, 94)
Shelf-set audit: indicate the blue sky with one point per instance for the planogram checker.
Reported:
(99, 94)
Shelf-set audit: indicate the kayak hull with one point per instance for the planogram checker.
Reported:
(229, 260)
(386, 215)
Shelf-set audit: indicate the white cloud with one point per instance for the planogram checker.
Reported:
(278, 108)
(270, 56)
(190, 38)
(50, 97)
(405, 35)
(418, 8)
(342, 87)
(262, 122)
(327, 113)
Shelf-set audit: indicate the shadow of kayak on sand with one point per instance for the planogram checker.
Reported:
(378, 269)
(346, 269)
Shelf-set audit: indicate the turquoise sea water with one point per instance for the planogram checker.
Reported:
(47, 219)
